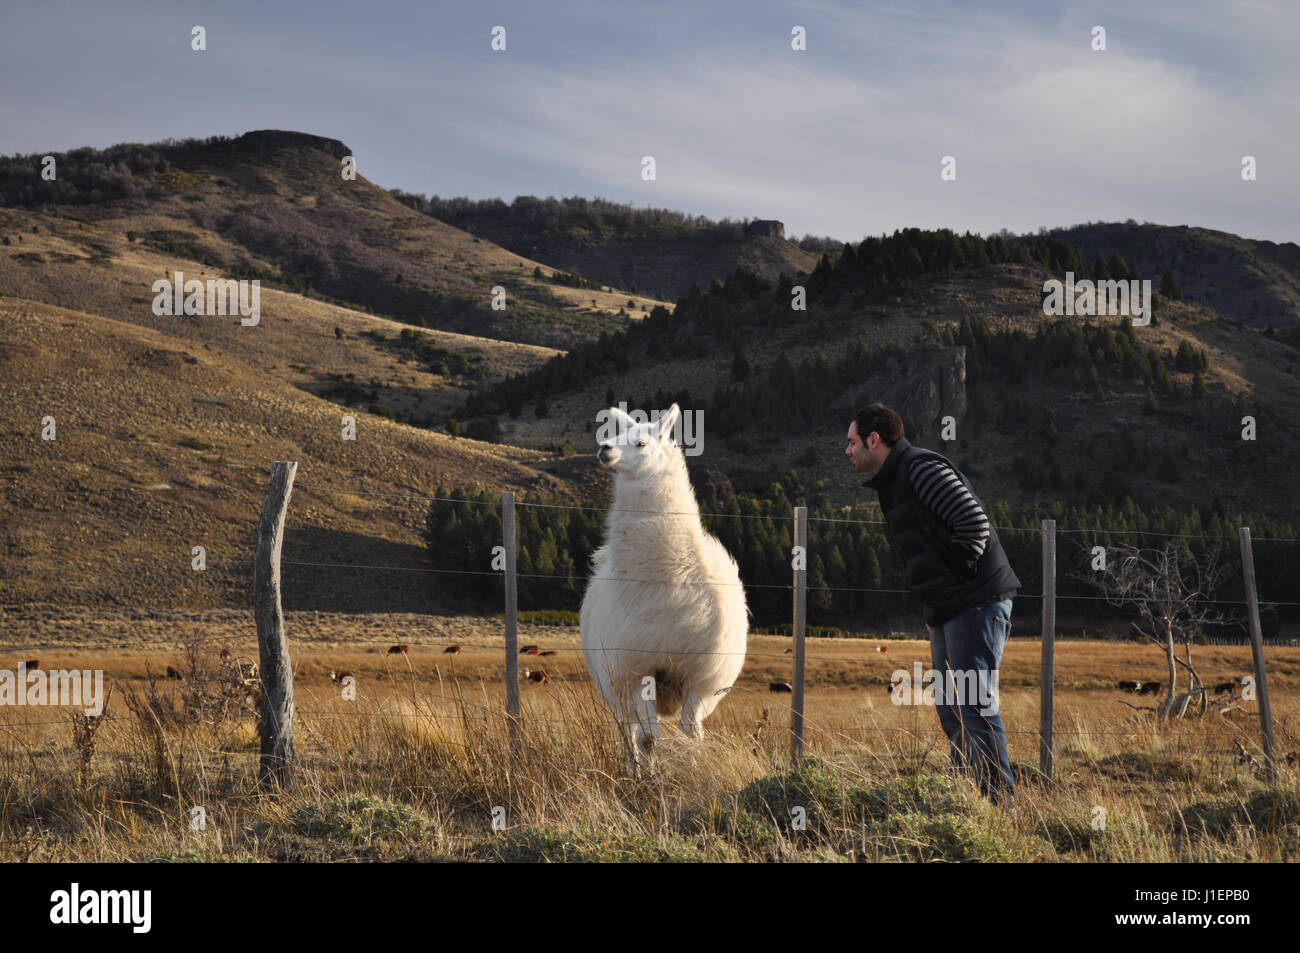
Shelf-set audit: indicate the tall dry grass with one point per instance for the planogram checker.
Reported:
(415, 769)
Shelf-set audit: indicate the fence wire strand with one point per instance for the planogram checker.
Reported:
(814, 727)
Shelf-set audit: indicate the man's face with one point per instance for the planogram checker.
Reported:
(865, 455)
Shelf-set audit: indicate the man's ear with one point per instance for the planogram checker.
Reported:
(666, 422)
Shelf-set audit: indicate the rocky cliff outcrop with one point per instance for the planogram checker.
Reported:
(768, 227)
(926, 386)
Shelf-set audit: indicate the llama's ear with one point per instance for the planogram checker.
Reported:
(666, 422)
(625, 422)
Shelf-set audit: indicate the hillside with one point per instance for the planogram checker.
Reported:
(1026, 431)
(1255, 282)
(275, 205)
(657, 251)
(181, 416)
(163, 444)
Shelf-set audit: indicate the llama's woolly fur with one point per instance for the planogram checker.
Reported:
(664, 598)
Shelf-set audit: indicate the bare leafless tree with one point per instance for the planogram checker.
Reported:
(1172, 591)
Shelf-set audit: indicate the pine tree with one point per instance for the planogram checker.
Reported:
(1199, 388)
(1119, 269)
(1051, 433)
(739, 367)
(1094, 382)
(819, 595)
(1170, 286)
(872, 576)
(837, 572)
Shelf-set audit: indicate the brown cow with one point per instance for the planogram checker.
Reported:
(451, 650)
(31, 664)
(399, 650)
(1130, 686)
(529, 650)
(337, 677)
(225, 655)
(541, 676)
(779, 688)
(1151, 688)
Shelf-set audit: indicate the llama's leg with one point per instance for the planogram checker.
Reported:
(692, 722)
(627, 732)
(647, 733)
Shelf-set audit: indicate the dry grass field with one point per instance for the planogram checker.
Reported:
(415, 766)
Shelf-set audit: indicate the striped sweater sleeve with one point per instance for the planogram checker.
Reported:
(940, 489)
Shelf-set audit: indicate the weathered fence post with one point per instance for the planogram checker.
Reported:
(1257, 652)
(512, 620)
(800, 615)
(276, 726)
(1046, 756)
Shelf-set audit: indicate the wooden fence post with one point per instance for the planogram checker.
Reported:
(1257, 652)
(276, 728)
(800, 615)
(1046, 756)
(512, 619)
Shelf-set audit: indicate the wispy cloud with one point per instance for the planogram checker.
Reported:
(843, 139)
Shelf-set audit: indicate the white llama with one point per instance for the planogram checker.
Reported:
(664, 599)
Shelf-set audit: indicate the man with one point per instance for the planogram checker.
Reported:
(956, 567)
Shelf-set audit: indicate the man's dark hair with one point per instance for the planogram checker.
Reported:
(882, 420)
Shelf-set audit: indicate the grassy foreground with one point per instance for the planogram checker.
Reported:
(418, 770)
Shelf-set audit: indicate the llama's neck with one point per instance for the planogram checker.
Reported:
(654, 496)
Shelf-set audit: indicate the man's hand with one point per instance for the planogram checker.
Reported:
(965, 566)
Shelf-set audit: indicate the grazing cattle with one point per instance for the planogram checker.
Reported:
(541, 676)
(31, 664)
(789, 651)
(882, 648)
(779, 688)
(529, 650)
(399, 650)
(225, 655)
(547, 652)
(338, 677)
(451, 650)
(1151, 688)
(173, 672)
(896, 688)
(1225, 688)
(1131, 687)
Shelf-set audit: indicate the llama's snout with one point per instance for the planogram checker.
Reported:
(609, 454)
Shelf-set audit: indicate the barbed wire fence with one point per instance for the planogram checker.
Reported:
(273, 644)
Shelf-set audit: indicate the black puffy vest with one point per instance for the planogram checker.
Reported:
(924, 543)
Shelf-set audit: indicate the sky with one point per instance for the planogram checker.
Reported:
(845, 138)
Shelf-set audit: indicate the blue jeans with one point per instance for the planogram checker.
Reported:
(970, 644)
